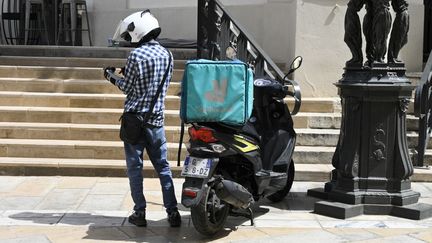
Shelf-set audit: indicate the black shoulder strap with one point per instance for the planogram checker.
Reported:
(182, 128)
(153, 102)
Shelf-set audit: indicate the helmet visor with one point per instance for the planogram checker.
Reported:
(120, 33)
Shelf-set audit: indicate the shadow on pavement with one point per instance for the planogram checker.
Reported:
(294, 201)
(115, 228)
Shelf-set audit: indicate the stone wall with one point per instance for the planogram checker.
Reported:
(284, 28)
(319, 39)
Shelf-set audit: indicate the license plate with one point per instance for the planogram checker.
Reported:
(196, 167)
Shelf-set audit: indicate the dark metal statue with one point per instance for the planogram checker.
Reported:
(399, 34)
(376, 28)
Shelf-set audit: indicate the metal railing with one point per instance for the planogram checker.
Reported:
(423, 110)
(221, 37)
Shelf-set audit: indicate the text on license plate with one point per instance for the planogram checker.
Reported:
(196, 167)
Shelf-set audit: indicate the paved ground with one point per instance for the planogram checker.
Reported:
(89, 209)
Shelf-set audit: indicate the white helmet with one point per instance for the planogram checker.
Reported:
(137, 26)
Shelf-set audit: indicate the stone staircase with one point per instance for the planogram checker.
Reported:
(58, 116)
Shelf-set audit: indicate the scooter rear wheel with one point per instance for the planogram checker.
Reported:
(280, 195)
(210, 215)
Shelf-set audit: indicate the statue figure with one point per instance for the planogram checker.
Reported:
(399, 34)
(376, 28)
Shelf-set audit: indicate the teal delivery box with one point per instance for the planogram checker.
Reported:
(217, 91)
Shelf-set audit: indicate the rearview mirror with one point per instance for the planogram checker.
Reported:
(296, 63)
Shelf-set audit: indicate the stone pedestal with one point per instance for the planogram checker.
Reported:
(371, 161)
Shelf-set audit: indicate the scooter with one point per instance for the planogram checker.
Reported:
(229, 168)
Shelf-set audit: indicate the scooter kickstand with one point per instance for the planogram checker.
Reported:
(251, 216)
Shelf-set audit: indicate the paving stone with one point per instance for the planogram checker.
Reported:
(110, 188)
(423, 189)
(426, 235)
(394, 239)
(19, 202)
(287, 223)
(102, 202)
(93, 234)
(136, 233)
(353, 234)
(127, 203)
(9, 183)
(112, 179)
(311, 236)
(63, 199)
(92, 220)
(155, 239)
(33, 239)
(352, 224)
(188, 234)
(33, 214)
(33, 187)
(403, 224)
(395, 232)
(76, 183)
(6, 233)
(244, 234)
(10, 221)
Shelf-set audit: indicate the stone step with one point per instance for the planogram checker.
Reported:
(41, 99)
(83, 51)
(414, 77)
(84, 149)
(42, 72)
(172, 118)
(106, 132)
(70, 61)
(96, 87)
(67, 86)
(72, 149)
(329, 137)
(111, 167)
(311, 120)
(172, 102)
(111, 116)
(94, 167)
(69, 131)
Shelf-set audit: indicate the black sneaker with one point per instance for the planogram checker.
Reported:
(138, 218)
(174, 219)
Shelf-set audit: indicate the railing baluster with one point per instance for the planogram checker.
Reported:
(422, 110)
(217, 31)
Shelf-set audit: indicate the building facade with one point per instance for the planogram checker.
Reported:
(313, 29)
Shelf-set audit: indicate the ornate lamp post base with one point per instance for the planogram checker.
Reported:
(339, 210)
(371, 161)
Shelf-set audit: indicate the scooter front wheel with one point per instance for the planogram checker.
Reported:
(209, 216)
(280, 195)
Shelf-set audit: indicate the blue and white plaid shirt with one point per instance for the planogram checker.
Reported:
(143, 74)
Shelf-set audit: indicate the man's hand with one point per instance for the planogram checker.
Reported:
(109, 74)
(122, 71)
(108, 71)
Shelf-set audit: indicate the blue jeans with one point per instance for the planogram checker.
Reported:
(154, 141)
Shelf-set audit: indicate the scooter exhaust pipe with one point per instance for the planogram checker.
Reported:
(234, 194)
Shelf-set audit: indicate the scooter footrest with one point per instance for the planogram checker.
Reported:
(277, 175)
(269, 173)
